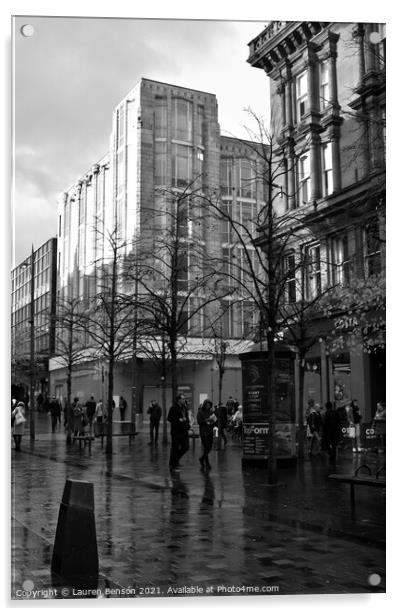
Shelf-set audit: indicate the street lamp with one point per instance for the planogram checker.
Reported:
(32, 346)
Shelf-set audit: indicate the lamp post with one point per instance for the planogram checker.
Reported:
(32, 346)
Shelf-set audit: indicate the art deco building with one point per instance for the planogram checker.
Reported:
(164, 139)
(327, 83)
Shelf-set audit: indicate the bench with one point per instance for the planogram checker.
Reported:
(126, 429)
(84, 438)
(370, 480)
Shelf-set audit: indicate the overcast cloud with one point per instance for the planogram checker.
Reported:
(71, 74)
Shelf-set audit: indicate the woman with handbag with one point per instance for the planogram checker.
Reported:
(206, 419)
(18, 423)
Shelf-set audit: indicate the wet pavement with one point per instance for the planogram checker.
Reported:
(222, 533)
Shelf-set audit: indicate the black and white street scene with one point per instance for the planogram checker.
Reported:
(198, 391)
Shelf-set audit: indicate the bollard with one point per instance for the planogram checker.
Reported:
(75, 551)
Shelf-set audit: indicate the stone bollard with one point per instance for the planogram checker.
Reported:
(75, 551)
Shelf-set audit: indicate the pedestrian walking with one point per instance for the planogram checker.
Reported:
(314, 423)
(155, 413)
(55, 412)
(122, 408)
(354, 419)
(206, 419)
(18, 424)
(99, 411)
(230, 405)
(237, 423)
(332, 431)
(222, 414)
(90, 408)
(179, 426)
(79, 420)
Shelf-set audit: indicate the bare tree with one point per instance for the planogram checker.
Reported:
(71, 315)
(174, 280)
(109, 317)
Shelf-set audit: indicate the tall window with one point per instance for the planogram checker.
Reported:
(248, 319)
(301, 95)
(313, 274)
(246, 179)
(372, 248)
(182, 120)
(304, 179)
(198, 124)
(341, 264)
(289, 271)
(182, 271)
(226, 228)
(226, 176)
(160, 118)
(324, 84)
(121, 124)
(181, 165)
(227, 319)
(327, 174)
(199, 162)
(160, 163)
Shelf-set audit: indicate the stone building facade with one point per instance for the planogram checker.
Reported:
(327, 83)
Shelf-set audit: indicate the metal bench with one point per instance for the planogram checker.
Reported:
(370, 480)
(84, 438)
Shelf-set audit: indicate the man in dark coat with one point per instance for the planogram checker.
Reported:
(179, 426)
(332, 431)
(155, 413)
(122, 408)
(90, 410)
(55, 412)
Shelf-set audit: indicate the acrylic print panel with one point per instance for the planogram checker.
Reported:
(143, 352)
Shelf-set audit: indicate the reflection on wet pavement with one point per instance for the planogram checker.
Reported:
(225, 529)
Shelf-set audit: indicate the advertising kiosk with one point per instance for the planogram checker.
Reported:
(255, 408)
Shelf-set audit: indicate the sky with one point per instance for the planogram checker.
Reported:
(72, 72)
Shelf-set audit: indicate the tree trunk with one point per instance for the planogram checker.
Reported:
(109, 429)
(68, 418)
(164, 413)
(271, 400)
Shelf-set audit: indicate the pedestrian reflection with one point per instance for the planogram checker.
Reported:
(209, 490)
(177, 534)
(179, 491)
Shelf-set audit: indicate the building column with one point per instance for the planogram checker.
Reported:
(358, 34)
(281, 93)
(291, 176)
(315, 141)
(315, 166)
